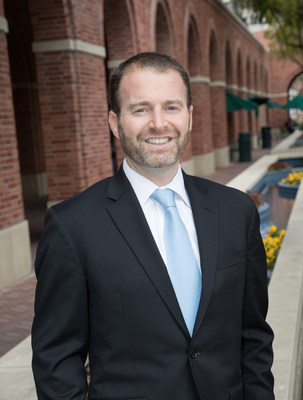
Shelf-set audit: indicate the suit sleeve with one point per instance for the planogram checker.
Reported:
(60, 332)
(257, 336)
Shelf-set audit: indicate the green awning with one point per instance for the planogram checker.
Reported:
(296, 102)
(272, 104)
(235, 103)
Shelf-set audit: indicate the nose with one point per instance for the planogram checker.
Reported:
(158, 120)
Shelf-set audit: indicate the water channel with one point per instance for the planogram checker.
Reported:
(279, 207)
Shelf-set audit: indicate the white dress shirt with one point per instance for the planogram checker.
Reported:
(154, 212)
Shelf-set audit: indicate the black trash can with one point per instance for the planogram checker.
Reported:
(244, 146)
(266, 137)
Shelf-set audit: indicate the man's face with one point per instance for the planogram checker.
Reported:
(154, 123)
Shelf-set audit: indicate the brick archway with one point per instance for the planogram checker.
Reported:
(240, 73)
(26, 102)
(164, 30)
(232, 120)
(120, 44)
(218, 103)
(15, 260)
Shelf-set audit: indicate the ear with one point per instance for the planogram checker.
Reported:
(191, 108)
(113, 123)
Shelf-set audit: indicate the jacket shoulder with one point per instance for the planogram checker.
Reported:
(93, 194)
(218, 191)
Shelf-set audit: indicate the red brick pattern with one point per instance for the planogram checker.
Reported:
(11, 205)
(73, 103)
(219, 117)
(16, 313)
(202, 129)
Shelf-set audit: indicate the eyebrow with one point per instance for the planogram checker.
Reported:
(179, 102)
(139, 104)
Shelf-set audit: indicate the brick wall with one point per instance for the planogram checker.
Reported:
(11, 203)
(68, 116)
(73, 100)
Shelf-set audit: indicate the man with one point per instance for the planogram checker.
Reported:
(108, 282)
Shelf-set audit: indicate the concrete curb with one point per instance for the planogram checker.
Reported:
(16, 377)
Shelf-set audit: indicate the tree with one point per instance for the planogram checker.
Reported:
(285, 18)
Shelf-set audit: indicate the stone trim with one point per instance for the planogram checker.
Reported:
(204, 164)
(277, 95)
(218, 84)
(68, 44)
(189, 166)
(199, 79)
(15, 261)
(3, 24)
(222, 157)
(232, 87)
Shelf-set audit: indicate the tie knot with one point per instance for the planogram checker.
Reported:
(164, 197)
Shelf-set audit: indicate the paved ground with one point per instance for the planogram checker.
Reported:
(16, 302)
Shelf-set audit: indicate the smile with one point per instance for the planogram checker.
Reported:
(158, 141)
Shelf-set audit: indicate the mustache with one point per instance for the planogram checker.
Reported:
(157, 132)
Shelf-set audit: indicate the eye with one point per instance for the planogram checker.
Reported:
(141, 110)
(173, 108)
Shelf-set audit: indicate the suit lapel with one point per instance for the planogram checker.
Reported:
(129, 218)
(206, 219)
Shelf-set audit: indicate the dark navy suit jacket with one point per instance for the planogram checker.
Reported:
(104, 289)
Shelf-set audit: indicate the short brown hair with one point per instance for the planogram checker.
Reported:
(156, 62)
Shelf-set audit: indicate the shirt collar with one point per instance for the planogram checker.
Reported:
(144, 188)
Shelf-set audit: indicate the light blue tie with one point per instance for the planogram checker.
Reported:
(182, 265)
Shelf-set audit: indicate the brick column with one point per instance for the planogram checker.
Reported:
(219, 123)
(15, 259)
(69, 48)
(202, 140)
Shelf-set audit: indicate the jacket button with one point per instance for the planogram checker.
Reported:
(194, 353)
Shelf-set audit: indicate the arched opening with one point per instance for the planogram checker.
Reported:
(296, 89)
(248, 85)
(199, 136)
(120, 45)
(164, 42)
(231, 123)
(240, 82)
(193, 52)
(218, 103)
(213, 69)
(27, 114)
(256, 82)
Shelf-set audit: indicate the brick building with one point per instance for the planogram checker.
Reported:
(55, 60)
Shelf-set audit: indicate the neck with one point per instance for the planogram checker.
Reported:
(159, 176)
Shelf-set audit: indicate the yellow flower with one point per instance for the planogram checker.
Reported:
(272, 243)
(272, 229)
(270, 253)
(293, 178)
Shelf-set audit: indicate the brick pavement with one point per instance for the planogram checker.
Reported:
(16, 313)
(16, 302)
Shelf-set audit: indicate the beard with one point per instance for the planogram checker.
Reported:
(135, 147)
